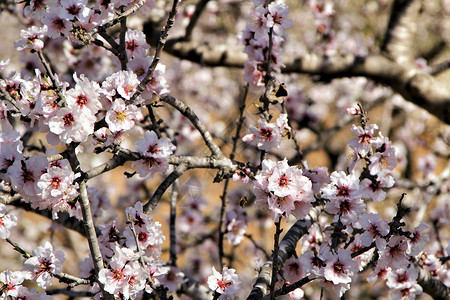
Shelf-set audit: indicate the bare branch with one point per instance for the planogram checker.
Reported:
(286, 249)
(116, 19)
(399, 39)
(194, 289)
(194, 18)
(432, 286)
(188, 113)
(162, 41)
(89, 226)
(154, 200)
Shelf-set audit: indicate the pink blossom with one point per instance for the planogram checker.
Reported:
(139, 65)
(292, 270)
(375, 188)
(35, 8)
(10, 149)
(149, 236)
(55, 182)
(31, 38)
(277, 17)
(115, 278)
(11, 284)
(57, 25)
(236, 225)
(76, 9)
(380, 161)
(318, 177)
(418, 240)
(152, 146)
(72, 125)
(375, 229)
(85, 95)
(378, 274)
(340, 267)
(172, 279)
(190, 222)
(6, 222)
(285, 180)
(362, 143)
(314, 262)
(227, 284)
(394, 255)
(157, 87)
(364, 258)
(155, 152)
(157, 271)
(121, 116)
(25, 174)
(43, 263)
(265, 137)
(135, 43)
(402, 278)
(241, 174)
(347, 211)
(409, 293)
(296, 294)
(354, 110)
(342, 187)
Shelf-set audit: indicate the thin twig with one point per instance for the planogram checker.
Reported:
(19, 249)
(8, 97)
(276, 239)
(194, 18)
(223, 197)
(154, 200)
(173, 215)
(71, 280)
(49, 73)
(441, 67)
(136, 239)
(122, 44)
(162, 41)
(89, 226)
(188, 113)
(116, 19)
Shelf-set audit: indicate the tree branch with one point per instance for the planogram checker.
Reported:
(432, 286)
(286, 249)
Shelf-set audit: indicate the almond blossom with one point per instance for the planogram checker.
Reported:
(394, 255)
(362, 143)
(225, 283)
(155, 153)
(282, 189)
(122, 117)
(6, 222)
(72, 125)
(43, 263)
(31, 38)
(375, 229)
(266, 136)
(340, 267)
(418, 240)
(403, 283)
(85, 94)
(11, 284)
(135, 44)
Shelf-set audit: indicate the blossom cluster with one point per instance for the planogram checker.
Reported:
(155, 153)
(267, 20)
(132, 257)
(40, 267)
(67, 18)
(266, 135)
(283, 190)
